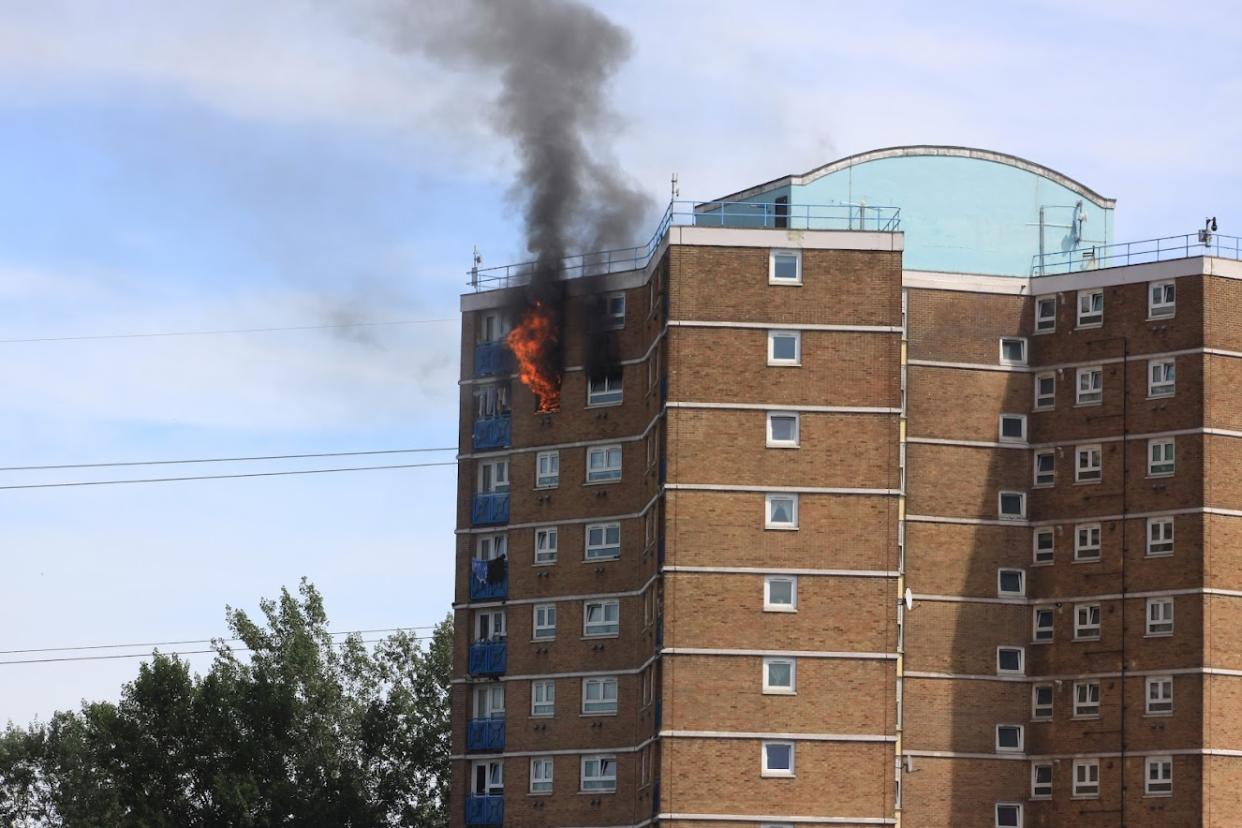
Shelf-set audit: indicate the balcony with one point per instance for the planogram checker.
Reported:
(490, 509)
(488, 658)
(491, 358)
(493, 432)
(489, 580)
(485, 810)
(486, 734)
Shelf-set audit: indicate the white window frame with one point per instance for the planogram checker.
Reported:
(796, 336)
(1164, 308)
(1161, 378)
(1170, 460)
(1160, 618)
(546, 688)
(600, 551)
(543, 622)
(1093, 317)
(542, 770)
(495, 772)
(610, 471)
(498, 324)
(616, 321)
(546, 545)
(1021, 738)
(599, 782)
(1042, 712)
(603, 686)
(1022, 343)
(772, 277)
(1043, 634)
(797, 429)
(769, 605)
(601, 628)
(496, 621)
(1086, 784)
(605, 391)
(1017, 810)
(786, 773)
(1094, 544)
(1094, 395)
(491, 546)
(1036, 552)
(489, 700)
(1160, 533)
(1000, 428)
(1085, 628)
(498, 472)
(1045, 324)
(1087, 696)
(1161, 704)
(1000, 500)
(767, 511)
(1045, 402)
(1042, 790)
(1021, 671)
(771, 689)
(1091, 472)
(1162, 784)
(552, 478)
(1000, 581)
(1043, 479)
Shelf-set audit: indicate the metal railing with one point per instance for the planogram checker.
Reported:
(743, 214)
(1098, 256)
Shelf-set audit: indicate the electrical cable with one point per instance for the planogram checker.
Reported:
(227, 331)
(114, 656)
(223, 459)
(190, 641)
(77, 483)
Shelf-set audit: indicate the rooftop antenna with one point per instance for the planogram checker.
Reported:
(673, 186)
(474, 268)
(1209, 227)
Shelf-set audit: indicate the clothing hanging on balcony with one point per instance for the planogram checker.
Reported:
(496, 570)
(479, 569)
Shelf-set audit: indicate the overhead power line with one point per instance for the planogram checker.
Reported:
(221, 476)
(183, 643)
(223, 459)
(114, 656)
(228, 331)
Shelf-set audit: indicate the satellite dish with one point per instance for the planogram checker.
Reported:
(909, 599)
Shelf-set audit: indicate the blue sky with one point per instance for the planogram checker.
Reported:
(173, 166)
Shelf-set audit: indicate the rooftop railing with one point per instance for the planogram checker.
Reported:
(743, 214)
(1121, 254)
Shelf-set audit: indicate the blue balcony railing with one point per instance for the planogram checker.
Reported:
(490, 590)
(485, 810)
(486, 734)
(490, 509)
(492, 358)
(488, 658)
(493, 432)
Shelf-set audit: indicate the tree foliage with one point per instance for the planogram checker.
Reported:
(300, 730)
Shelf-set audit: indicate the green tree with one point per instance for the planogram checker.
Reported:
(292, 728)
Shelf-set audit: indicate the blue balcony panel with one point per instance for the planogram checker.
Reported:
(493, 432)
(490, 590)
(491, 358)
(490, 509)
(486, 734)
(488, 658)
(485, 810)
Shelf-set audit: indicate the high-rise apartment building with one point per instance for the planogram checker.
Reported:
(908, 497)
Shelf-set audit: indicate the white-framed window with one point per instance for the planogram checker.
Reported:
(491, 400)
(1009, 738)
(1159, 536)
(781, 511)
(1045, 467)
(1041, 780)
(493, 327)
(1008, 815)
(1160, 457)
(601, 618)
(544, 622)
(1087, 542)
(1046, 313)
(783, 429)
(1159, 616)
(648, 685)
(1012, 428)
(1086, 699)
(547, 469)
(777, 759)
(542, 697)
(1045, 391)
(780, 593)
(1043, 620)
(490, 547)
(1010, 660)
(1044, 545)
(603, 464)
(599, 774)
(606, 390)
(1041, 702)
(603, 541)
(1090, 385)
(1012, 505)
(493, 476)
(784, 347)
(785, 267)
(1013, 350)
(541, 775)
(599, 696)
(546, 540)
(1158, 780)
(1086, 622)
(1087, 778)
(489, 625)
(1090, 465)
(614, 306)
(489, 778)
(489, 701)
(1161, 377)
(780, 676)
(1161, 300)
(1091, 308)
(1159, 695)
(1010, 582)
(652, 443)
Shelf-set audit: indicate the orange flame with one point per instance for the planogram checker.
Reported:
(534, 344)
